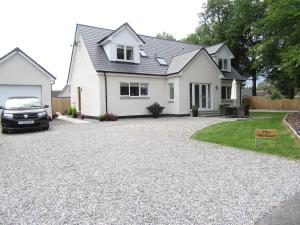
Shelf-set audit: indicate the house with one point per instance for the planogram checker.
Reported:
(122, 72)
(20, 75)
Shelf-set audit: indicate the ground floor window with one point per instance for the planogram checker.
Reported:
(133, 89)
(171, 91)
(226, 92)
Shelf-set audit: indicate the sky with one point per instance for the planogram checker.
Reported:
(44, 29)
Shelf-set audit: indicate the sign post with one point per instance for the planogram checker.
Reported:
(265, 134)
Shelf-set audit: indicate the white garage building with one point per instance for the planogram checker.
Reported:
(20, 75)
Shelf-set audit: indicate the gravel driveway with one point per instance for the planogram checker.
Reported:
(137, 171)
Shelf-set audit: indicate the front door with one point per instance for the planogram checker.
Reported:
(201, 96)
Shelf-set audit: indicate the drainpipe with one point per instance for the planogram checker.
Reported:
(241, 83)
(105, 81)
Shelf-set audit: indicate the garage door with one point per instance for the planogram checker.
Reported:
(7, 91)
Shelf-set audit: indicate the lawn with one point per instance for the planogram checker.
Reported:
(241, 134)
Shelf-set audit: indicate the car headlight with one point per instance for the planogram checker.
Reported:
(8, 115)
(42, 114)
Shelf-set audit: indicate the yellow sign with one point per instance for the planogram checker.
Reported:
(265, 134)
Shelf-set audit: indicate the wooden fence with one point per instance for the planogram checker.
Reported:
(259, 102)
(60, 105)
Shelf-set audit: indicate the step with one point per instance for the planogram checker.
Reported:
(209, 113)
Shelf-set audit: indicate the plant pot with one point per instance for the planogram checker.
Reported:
(195, 113)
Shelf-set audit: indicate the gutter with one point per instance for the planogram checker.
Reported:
(105, 81)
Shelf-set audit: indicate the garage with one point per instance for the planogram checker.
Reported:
(20, 75)
(7, 91)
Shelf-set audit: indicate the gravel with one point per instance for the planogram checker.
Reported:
(137, 171)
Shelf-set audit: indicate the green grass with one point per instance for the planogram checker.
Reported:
(241, 134)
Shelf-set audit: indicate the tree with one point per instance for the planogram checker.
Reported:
(278, 51)
(232, 22)
(167, 36)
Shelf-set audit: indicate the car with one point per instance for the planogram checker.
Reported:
(23, 113)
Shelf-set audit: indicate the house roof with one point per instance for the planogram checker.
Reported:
(55, 93)
(18, 50)
(213, 49)
(174, 51)
(233, 75)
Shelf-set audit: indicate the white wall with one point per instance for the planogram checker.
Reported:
(84, 75)
(127, 106)
(201, 70)
(17, 70)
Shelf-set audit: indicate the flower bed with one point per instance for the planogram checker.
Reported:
(294, 120)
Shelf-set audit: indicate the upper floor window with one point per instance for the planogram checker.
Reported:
(124, 53)
(223, 64)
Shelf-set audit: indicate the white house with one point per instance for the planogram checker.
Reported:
(122, 72)
(20, 75)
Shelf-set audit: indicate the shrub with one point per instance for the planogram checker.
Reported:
(70, 111)
(155, 109)
(195, 110)
(108, 117)
(74, 113)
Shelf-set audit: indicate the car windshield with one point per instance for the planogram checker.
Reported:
(16, 103)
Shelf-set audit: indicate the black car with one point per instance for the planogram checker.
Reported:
(22, 113)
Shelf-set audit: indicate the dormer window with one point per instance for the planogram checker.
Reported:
(121, 50)
(223, 64)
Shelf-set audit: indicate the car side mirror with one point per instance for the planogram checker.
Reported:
(46, 106)
(1, 107)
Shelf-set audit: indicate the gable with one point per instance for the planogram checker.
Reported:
(126, 36)
(224, 53)
(204, 64)
(19, 65)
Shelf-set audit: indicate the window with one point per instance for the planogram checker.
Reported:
(220, 63)
(226, 93)
(144, 89)
(120, 52)
(223, 64)
(161, 61)
(129, 53)
(133, 89)
(143, 53)
(124, 53)
(171, 94)
(124, 89)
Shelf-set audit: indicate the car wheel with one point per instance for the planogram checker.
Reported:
(4, 131)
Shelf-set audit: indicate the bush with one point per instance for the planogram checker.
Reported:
(155, 109)
(275, 95)
(74, 113)
(108, 117)
(70, 111)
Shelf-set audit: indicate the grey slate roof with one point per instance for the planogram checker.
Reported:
(154, 47)
(233, 75)
(214, 48)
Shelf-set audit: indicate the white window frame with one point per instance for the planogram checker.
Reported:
(226, 93)
(125, 53)
(223, 64)
(133, 96)
(171, 85)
